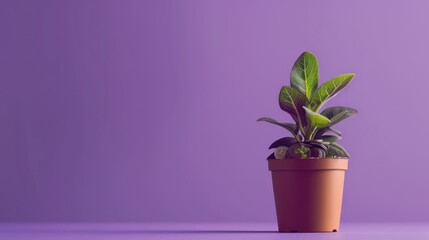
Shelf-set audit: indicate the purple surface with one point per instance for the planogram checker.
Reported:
(145, 110)
(236, 231)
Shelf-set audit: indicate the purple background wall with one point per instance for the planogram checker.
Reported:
(145, 110)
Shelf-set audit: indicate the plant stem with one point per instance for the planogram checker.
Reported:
(297, 137)
(301, 128)
(313, 132)
(310, 133)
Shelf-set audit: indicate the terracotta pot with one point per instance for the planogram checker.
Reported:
(308, 193)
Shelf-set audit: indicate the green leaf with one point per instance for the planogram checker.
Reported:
(316, 119)
(318, 144)
(291, 127)
(305, 74)
(329, 89)
(292, 101)
(303, 151)
(321, 131)
(334, 131)
(271, 157)
(285, 142)
(337, 114)
(298, 151)
(280, 152)
(317, 152)
(335, 150)
(330, 138)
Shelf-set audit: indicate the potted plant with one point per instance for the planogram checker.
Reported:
(308, 168)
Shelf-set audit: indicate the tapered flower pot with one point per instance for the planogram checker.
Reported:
(308, 193)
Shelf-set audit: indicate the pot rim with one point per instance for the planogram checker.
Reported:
(308, 164)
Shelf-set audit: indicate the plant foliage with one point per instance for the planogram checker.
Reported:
(302, 100)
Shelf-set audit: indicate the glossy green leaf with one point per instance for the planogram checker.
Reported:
(298, 151)
(291, 127)
(280, 152)
(321, 131)
(337, 114)
(329, 89)
(330, 138)
(318, 144)
(292, 101)
(335, 150)
(316, 119)
(317, 152)
(305, 74)
(285, 142)
(271, 157)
